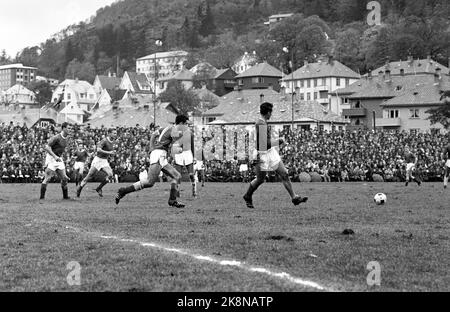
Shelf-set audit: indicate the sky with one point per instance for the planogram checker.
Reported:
(26, 23)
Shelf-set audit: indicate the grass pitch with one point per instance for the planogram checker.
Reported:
(408, 236)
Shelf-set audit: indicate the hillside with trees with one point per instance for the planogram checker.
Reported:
(219, 31)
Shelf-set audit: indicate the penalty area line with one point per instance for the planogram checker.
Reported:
(204, 258)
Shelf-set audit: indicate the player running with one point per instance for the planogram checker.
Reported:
(80, 156)
(100, 163)
(268, 159)
(54, 162)
(411, 161)
(159, 162)
(186, 158)
(446, 159)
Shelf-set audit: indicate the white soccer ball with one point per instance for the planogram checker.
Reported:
(380, 199)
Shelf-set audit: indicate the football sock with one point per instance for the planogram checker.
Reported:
(445, 181)
(43, 190)
(102, 185)
(173, 192)
(65, 191)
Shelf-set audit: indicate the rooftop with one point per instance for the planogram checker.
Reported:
(165, 55)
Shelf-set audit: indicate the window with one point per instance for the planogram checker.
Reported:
(393, 113)
(323, 94)
(315, 95)
(338, 82)
(308, 83)
(347, 82)
(69, 96)
(308, 96)
(315, 82)
(241, 82)
(321, 128)
(302, 83)
(324, 81)
(414, 113)
(344, 100)
(302, 97)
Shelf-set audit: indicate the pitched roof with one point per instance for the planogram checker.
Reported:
(143, 82)
(165, 54)
(220, 72)
(131, 116)
(242, 107)
(116, 95)
(72, 109)
(109, 82)
(204, 66)
(323, 69)
(398, 85)
(261, 70)
(28, 116)
(182, 75)
(412, 67)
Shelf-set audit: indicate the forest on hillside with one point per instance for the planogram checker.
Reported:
(219, 31)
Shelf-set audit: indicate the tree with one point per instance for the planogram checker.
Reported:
(29, 56)
(82, 71)
(349, 49)
(184, 100)
(441, 114)
(206, 18)
(43, 92)
(4, 58)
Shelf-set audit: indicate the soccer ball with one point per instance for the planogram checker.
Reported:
(380, 199)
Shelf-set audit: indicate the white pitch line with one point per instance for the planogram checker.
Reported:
(234, 263)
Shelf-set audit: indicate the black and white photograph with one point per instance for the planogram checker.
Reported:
(226, 152)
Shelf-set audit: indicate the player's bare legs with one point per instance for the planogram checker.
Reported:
(284, 175)
(83, 183)
(64, 181)
(153, 176)
(190, 169)
(254, 185)
(48, 175)
(109, 174)
(446, 176)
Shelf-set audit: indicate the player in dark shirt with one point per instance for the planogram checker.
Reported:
(54, 163)
(100, 163)
(268, 159)
(80, 157)
(159, 162)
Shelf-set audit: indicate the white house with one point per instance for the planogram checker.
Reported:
(76, 92)
(71, 114)
(185, 76)
(166, 64)
(19, 95)
(245, 62)
(273, 19)
(135, 83)
(106, 82)
(318, 81)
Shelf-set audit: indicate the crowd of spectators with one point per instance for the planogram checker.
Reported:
(335, 156)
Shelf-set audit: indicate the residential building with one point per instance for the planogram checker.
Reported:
(51, 81)
(108, 97)
(19, 95)
(13, 74)
(412, 67)
(260, 76)
(394, 102)
(135, 83)
(224, 81)
(166, 64)
(72, 113)
(76, 92)
(185, 76)
(274, 19)
(245, 62)
(318, 81)
(241, 107)
(106, 82)
(207, 98)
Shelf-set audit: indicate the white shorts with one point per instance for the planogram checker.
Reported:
(78, 166)
(100, 163)
(447, 164)
(54, 165)
(184, 159)
(270, 160)
(159, 156)
(410, 167)
(199, 166)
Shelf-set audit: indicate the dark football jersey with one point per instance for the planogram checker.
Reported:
(58, 144)
(81, 156)
(107, 146)
(165, 140)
